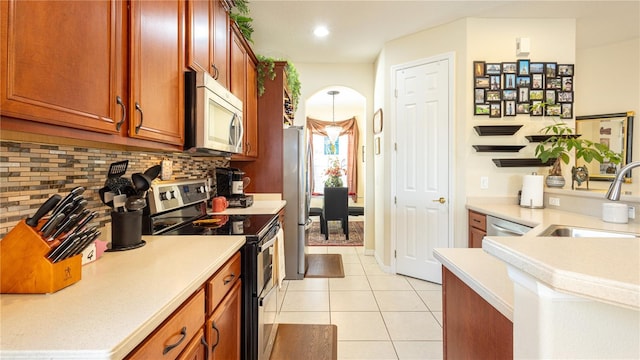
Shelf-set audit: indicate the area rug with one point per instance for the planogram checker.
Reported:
(305, 341)
(336, 237)
(324, 266)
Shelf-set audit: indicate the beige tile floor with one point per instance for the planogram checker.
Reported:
(379, 315)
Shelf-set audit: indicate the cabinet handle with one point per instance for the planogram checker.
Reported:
(168, 348)
(203, 342)
(124, 113)
(213, 326)
(248, 145)
(215, 71)
(229, 279)
(138, 108)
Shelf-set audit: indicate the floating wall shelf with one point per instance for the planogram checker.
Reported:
(541, 138)
(496, 130)
(522, 162)
(498, 148)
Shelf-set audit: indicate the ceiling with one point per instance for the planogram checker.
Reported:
(359, 29)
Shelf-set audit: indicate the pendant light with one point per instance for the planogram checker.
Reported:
(333, 131)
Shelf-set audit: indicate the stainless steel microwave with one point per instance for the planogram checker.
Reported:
(213, 116)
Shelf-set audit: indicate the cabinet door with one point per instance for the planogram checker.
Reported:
(197, 348)
(238, 56)
(157, 71)
(221, 42)
(475, 237)
(251, 111)
(223, 327)
(62, 63)
(200, 35)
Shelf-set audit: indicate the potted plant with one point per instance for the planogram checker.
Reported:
(561, 142)
(334, 173)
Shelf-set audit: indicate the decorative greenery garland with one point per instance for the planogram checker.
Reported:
(242, 18)
(266, 68)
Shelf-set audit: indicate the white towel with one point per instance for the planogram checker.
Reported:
(279, 258)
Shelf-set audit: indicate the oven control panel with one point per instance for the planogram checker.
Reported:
(169, 195)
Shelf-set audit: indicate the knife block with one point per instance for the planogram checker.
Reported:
(25, 269)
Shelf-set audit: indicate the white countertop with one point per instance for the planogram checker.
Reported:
(258, 207)
(602, 269)
(120, 300)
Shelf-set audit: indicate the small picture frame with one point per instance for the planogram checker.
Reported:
(377, 122)
(550, 96)
(537, 81)
(554, 83)
(493, 68)
(553, 110)
(536, 68)
(509, 68)
(479, 96)
(482, 82)
(510, 108)
(522, 108)
(509, 81)
(493, 95)
(481, 109)
(567, 83)
(536, 95)
(495, 110)
(565, 70)
(479, 68)
(523, 67)
(509, 94)
(495, 82)
(523, 94)
(565, 96)
(523, 81)
(566, 111)
(550, 70)
(536, 108)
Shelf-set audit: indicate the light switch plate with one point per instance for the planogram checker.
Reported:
(484, 182)
(554, 201)
(632, 212)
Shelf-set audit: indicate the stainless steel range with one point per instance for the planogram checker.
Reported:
(180, 208)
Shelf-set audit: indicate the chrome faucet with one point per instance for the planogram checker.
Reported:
(614, 189)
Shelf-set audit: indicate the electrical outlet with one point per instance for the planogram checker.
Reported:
(554, 201)
(484, 182)
(632, 212)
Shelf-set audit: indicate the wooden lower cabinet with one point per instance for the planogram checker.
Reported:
(477, 228)
(473, 329)
(197, 348)
(224, 326)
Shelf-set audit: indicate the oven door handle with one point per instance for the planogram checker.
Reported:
(267, 244)
(263, 299)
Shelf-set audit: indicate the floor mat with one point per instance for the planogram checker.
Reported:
(305, 341)
(324, 266)
(336, 237)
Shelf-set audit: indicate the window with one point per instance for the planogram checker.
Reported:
(323, 156)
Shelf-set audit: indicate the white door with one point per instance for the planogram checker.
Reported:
(422, 167)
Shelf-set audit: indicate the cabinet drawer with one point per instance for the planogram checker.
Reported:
(477, 220)
(172, 337)
(222, 281)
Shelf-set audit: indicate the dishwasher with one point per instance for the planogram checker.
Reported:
(501, 227)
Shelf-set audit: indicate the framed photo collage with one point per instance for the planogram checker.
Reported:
(519, 87)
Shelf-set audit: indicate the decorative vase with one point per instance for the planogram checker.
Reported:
(333, 181)
(555, 181)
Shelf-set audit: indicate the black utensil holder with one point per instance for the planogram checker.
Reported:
(126, 230)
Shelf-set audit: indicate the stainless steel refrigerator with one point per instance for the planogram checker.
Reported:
(296, 193)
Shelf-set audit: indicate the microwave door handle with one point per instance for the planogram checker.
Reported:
(241, 135)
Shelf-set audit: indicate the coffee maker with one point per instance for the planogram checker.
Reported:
(230, 183)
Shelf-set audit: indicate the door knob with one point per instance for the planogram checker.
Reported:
(441, 200)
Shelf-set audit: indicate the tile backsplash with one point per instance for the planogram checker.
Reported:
(30, 173)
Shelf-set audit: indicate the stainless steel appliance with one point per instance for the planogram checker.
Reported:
(179, 208)
(501, 227)
(296, 193)
(213, 116)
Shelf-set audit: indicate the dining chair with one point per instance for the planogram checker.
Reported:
(336, 207)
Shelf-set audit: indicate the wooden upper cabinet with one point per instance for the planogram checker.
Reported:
(221, 25)
(200, 35)
(156, 104)
(238, 66)
(62, 63)
(251, 110)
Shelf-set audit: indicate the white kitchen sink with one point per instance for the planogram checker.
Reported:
(575, 231)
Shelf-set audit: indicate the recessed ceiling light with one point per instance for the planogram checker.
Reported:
(321, 31)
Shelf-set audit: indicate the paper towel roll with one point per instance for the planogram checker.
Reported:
(532, 191)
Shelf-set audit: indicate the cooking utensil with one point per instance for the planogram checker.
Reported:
(136, 202)
(44, 209)
(141, 183)
(153, 172)
(118, 169)
(117, 184)
(119, 202)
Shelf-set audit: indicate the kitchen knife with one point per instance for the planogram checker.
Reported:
(66, 247)
(82, 244)
(62, 210)
(44, 209)
(50, 226)
(79, 206)
(65, 226)
(61, 246)
(73, 193)
(85, 221)
(73, 245)
(73, 227)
